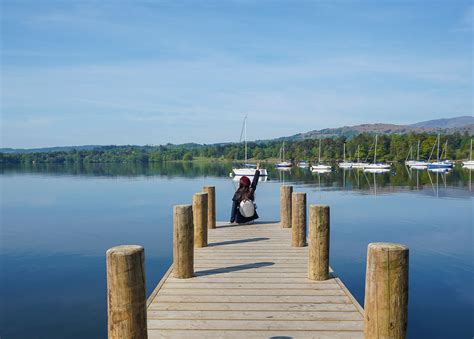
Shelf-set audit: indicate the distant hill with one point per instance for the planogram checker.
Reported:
(443, 126)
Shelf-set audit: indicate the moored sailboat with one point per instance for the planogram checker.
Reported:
(440, 163)
(377, 166)
(320, 167)
(344, 163)
(469, 163)
(283, 164)
(248, 169)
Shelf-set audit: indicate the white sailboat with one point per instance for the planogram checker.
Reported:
(469, 163)
(359, 164)
(375, 166)
(248, 169)
(439, 164)
(319, 167)
(344, 163)
(303, 164)
(417, 164)
(283, 164)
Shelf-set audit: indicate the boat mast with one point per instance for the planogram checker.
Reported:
(409, 155)
(418, 151)
(245, 137)
(437, 154)
(283, 152)
(319, 152)
(344, 152)
(358, 147)
(470, 152)
(375, 151)
(446, 150)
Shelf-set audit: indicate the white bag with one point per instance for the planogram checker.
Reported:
(247, 208)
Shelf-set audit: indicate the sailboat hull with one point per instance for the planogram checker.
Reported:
(248, 172)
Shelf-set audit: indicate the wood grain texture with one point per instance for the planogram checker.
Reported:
(318, 259)
(211, 206)
(298, 219)
(183, 242)
(200, 201)
(285, 206)
(254, 286)
(386, 291)
(126, 300)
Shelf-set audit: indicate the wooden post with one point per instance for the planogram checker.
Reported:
(285, 205)
(126, 298)
(386, 291)
(298, 219)
(211, 206)
(183, 241)
(200, 219)
(318, 265)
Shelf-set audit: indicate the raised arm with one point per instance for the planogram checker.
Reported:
(253, 186)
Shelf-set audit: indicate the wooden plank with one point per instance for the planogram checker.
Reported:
(317, 299)
(251, 306)
(152, 334)
(250, 292)
(223, 278)
(229, 324)
(254, 315)
(243, 286)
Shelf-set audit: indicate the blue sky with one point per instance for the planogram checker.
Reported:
(152, 72)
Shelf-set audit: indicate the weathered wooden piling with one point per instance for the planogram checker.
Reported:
(211, 206)
(126, 298)
(285, 205)
(318, 262)
(183, 241)
(386, 291)
(200, 219)
(298, 219)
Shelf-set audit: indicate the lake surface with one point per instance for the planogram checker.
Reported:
(58, 221)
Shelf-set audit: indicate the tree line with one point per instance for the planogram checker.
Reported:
(390, 148)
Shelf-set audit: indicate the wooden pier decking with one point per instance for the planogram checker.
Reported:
(250, 282)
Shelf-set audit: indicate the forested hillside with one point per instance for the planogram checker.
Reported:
(390, 148)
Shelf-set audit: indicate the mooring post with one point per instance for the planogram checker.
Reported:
(386, 291)
(126, 298)
(200, 219)
(285, 205)
(318, 264)
(211, 206)
(183, 241)
(298, 219)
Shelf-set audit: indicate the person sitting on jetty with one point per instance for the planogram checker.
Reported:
(243, 205)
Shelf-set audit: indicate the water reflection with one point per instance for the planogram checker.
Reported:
(376, 181)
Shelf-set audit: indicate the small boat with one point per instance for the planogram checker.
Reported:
(248, 169)
(303, 164)
(440, 163)
(469, 163)
(359, 164)
(320, 168)
(376, 165)
(344, 163)
(283, 164)
(417, 164)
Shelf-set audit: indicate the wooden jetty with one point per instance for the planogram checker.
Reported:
(263, 280)
(250, 282)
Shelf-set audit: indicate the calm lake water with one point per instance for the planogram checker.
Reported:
(58, 221)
